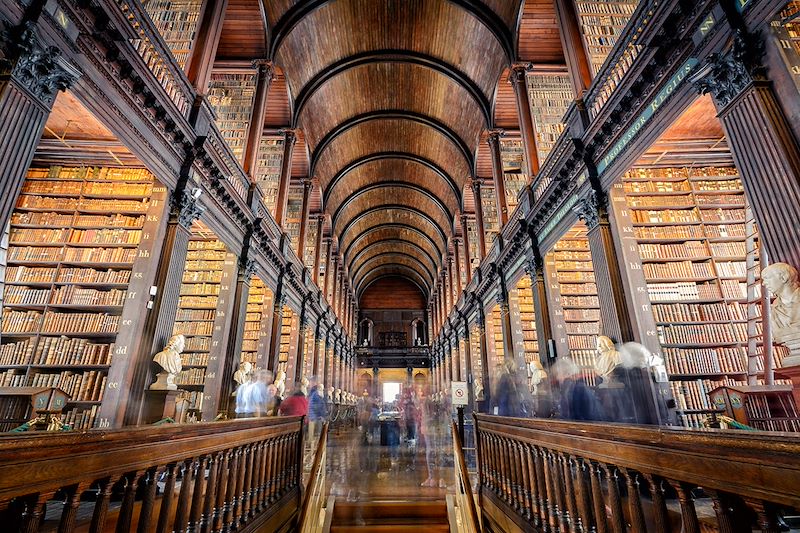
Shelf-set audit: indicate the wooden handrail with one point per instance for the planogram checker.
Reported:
(558, 474)
(465, 500)
(314, 494)
(239, 474)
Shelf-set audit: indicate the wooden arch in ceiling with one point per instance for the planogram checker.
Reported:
(392, 232)
(392, 97)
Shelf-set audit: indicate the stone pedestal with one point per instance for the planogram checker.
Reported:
(159, 404)
(792, 373)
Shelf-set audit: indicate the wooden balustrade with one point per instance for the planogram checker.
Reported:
(311, 519)
(464, 499)
(242, 475)
(558, 476)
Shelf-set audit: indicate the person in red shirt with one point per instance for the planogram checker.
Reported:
(295, 405)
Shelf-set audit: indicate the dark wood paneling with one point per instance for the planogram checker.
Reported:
(392, 293)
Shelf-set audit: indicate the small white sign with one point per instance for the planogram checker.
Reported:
(459, 393)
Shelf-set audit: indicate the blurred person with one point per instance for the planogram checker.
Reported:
(576, 400)
(296, 404)
(639, 372)
(317, 408)
(261, 393)
(431, 432)
(509, 397)
(244, 401)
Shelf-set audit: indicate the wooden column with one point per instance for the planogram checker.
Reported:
(468, 365)
(301, 241)
(505, 321)
(286, 176)
(572, 43)
(457, 358)
(300, 356)
(206, 41)
(326, 360)
(616, 321)
(256, 128)
(318, 249)
(29, 84)
(246, 270)
(481, 229)
(493, 140)
(277, 320)
(335, 275)
(328, 267)
(526, 124)
(544, 328)
(317, 342)
(450, 274)
(467, 260)
(457, 264)
(764, 148)
(484, 355)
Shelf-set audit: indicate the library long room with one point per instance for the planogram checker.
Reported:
(400, 265)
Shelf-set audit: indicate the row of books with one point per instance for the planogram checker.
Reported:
(572, 254)
(195, 314)
(86, 188)
(580, 301)
(89, 173)
(693, 394)
(189, 289)
(583, 328)
(703, 333)
(678, 269)
(705, 360)
(683, 290)
(105, 236)
(194, 276)
(193, 328)
(92, 275)
(204, 302)
(71, 255)
(80, 322)
(582, 342)
(694, 312)
(656, 173)
(80, 419)
(74, 295)
(85, 386)
(25, 296)
(194, 359)
(55, 203)
(191, 376)
(575, 276)
(204, 265)
(673, 251)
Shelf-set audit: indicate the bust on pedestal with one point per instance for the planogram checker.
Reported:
(169, 359)
(782, 281)
(607, 360)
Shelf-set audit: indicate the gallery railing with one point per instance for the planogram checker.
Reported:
(549, 475)
(464, 498)
(218, 476)
(311, 519)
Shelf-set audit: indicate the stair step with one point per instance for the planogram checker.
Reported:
(391, 512)
(397, 528)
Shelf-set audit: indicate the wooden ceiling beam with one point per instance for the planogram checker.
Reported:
(400, 207)
(399, 184)
(425, 120)
(392, 56)
(394, 225)
(406, 156)
(488, 18)
(396, 271)
(351, 264)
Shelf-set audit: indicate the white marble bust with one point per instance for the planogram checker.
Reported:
(169, 359)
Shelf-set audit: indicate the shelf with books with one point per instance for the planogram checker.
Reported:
(601, 23)
(69, 275)
(701, 322)
(489, 204)
(477, 364)
(512, 154)
(284, 353)
(294, 215)
(494, 336)
(549, 94)
(231, 95)
(523, 319)
(256, 324)
(176, 21)
(574, 303)
(268, 173)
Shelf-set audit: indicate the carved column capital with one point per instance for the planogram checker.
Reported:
(247, 268)
(40, 69)
(186, 205)
(493, 137)
(289, 136)
(518, 72)
(591, 209)
(475, 184)
(725, 76)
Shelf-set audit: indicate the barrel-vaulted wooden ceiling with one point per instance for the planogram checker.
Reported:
(392, 97)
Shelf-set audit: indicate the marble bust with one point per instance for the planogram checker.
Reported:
(536, 374)
(240, 376)
(782, 281)
(169, 359)
(606, 361)
(280, 384)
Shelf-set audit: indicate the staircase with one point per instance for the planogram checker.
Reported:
(390, 517)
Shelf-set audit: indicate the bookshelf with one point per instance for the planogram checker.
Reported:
(602, 22)
(258, 321)
(462, 360)
(786, 28)
(294, 214)
(477, 363)
(287, 319)
(698, 248)
(523, 319)
(268, 173)
(203, 307)
(512, 154)
(67, 279)
(549, 94)
(472, 236)
(490, 222)
(231, 96)
(311, 242)
(176, 21)
(574, 304)
(494, 335)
